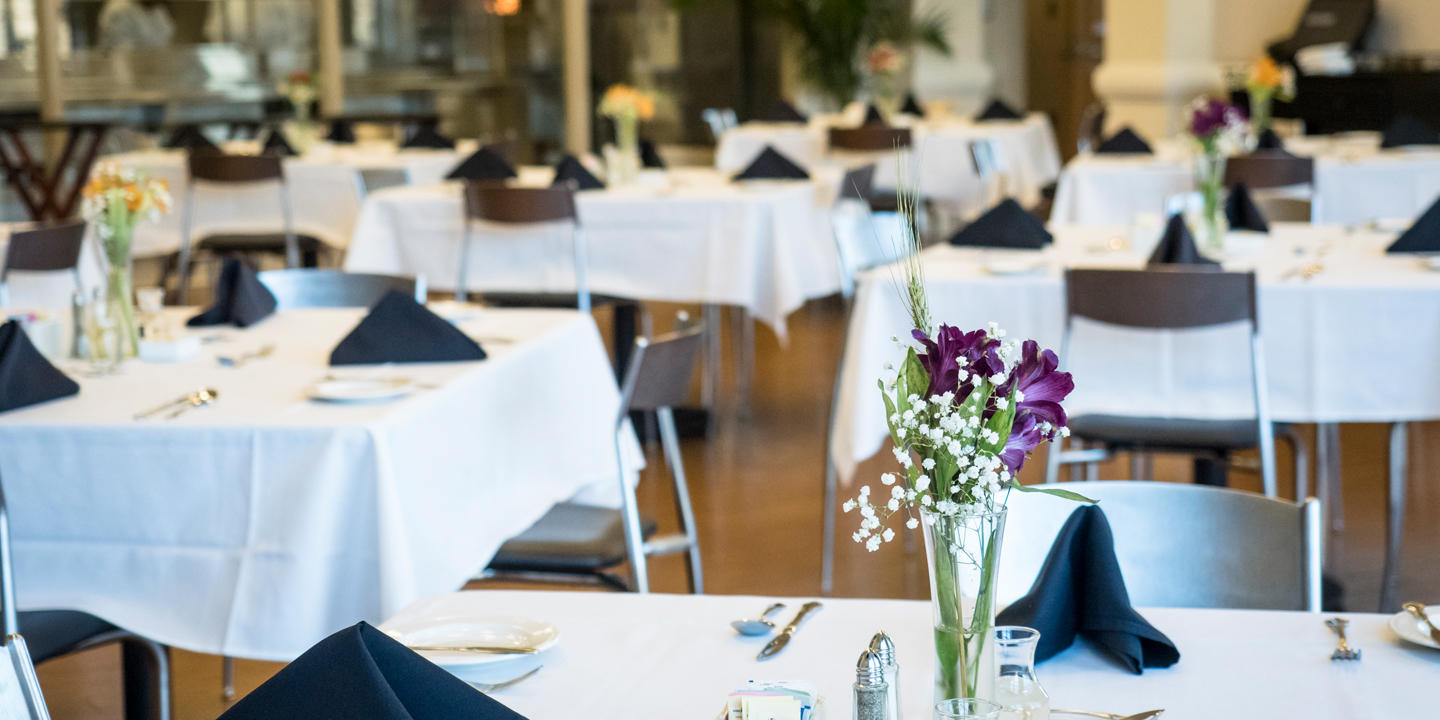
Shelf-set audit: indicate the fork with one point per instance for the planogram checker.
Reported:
(1344, 652)
(488, 687)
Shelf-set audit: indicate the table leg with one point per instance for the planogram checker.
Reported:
(710, 381)
(1327, 474)
(743, 347)
(1394, 517)
(623, 335)
(147, 692)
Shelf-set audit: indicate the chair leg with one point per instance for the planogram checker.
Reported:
(227, 678)
(146, 669)
(671, 442)
(1394, 517)
(711, 378)
(1301, 451)
(1327, 474)
(827, 542)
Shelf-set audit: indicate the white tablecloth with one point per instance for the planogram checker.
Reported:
(1355, 182)
(256, 527)
(1312, 330)
(324, 189)
(765, 246)
(658, 657)
(941, 160)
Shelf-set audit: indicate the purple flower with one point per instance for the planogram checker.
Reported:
(941, 359)
(1041, 389)
(1025, 436)
(1210, 117)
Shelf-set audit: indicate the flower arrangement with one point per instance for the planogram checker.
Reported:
(627, 106)
(1266, 82)
(882, 67)
(1219, 129)
(624, 101)
(115, 200)
(300, 89)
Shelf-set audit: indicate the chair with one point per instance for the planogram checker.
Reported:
(869, 138)
(863, 238)
(992, 169)
(20, 695)
(310, 288)
(499, 203)
(373, 179)
(581, 542)
(44, 248)
(1174, 299)
(1092, 128)
(719, 120)
(54, 633)
(1181, 545)
(1282, 185)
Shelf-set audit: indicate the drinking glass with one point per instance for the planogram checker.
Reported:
(1016, 688)
(966, 709)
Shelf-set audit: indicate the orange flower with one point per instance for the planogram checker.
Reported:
(1265, 73)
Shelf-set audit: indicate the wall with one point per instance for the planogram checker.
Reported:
(964, 78)
(1005, 49)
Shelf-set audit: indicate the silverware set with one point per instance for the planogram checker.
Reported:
(242, 358)
(178, 406)
(492, 687)
(485, 649)
(779, 642)
(1147, 715)
(1418, 611)
(1344, 652)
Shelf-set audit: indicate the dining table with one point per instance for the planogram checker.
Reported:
(676, 656)
(258, 524)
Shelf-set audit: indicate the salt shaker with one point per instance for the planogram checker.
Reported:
(871, 691)
(884, 649)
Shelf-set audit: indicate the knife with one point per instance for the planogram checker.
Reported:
(779, 642)
(476, 649)
(1418, 611)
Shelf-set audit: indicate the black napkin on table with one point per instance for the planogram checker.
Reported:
(189, 137)
(276, 144)
(873, 116)
(1241, 211)
(1408, 130)
(341, 131)
(649, 156)
(400, 330)
(485, 164)
(771, 165)
(429, 137)
(1177, 246)
(570, 168)
(1006, 225)
(1080, 591)
(1423, 236)
(782, 112)
(1123, 142)
(240, 298)
(998, 110)
(26, 377)
(1269, 140)
(361, 672)
(912, 106)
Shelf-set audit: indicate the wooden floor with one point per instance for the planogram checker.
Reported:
(757, 485)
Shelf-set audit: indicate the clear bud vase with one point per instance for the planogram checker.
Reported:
(1017, 690)
(1210, 179)
(964, 554)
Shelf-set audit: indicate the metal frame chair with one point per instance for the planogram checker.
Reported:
(859, 230)
(312, 287)
(991, 167)
(719, 120)
(369, 180)
(497, 202)
(1283, 184)
(1174, 299)
(869, 138)
(44, 248)
(1092, 128)
(1182, 545)
(229, 170)
(20, 694)
(658, 379)
(146, 662)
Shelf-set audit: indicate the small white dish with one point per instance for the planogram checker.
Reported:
(1008, 268)
(1409, 627)
(361, 390)
(1433, 262)
(516, 632)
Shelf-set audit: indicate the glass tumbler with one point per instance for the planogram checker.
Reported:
(966, 709)
(1016, 688)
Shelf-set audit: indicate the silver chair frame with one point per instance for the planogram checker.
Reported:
(292, 243)
(5, 275)
(581, 255)
(314, 287)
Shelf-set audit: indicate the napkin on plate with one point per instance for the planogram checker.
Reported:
(342, 132)
(1269, 141)
(1080, 591)
(189, 137)
(361, 672)
(400, 330)
(912, 106)
(240, 298)
(276, 144)
(26, 377)
(1423, 236)
(771, 165)
(1177, 246)
(649, 156)
(1241, 211)
(998, 110)
(1006, 225)
(485, 164)
(570, 168)
(873, 116)
(429, 137)
(1127, 141)
(1408, 130)
(782, 112)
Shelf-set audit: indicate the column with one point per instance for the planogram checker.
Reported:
(47, 52)
(332, 65)
(1159, 55)
(964, 78)
(576, 75)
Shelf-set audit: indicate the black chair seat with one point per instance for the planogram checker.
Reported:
(257, 242)
(884, 202)
(52, 633)
(569, 538)
(1123, 432)
(544, 300)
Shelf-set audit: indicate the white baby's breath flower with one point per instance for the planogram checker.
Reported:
(894, 504)
(888, 534)
(864, 491)
(873, 544)
(849, 505)
(922, 483)
(925, 501)
(887, 479)
(863, 532)
(928, 463)
(897, 492)
(912, 523)
(857, 537)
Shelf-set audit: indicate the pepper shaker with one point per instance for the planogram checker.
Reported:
(884, 649)
(872, 693)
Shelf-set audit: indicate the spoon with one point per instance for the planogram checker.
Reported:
(183, 400)
(199, 398)
(246, 357)
(1418, 611)
(758, 626)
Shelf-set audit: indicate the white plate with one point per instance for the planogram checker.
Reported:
(1014, 267)
(362, 390)
(487, 631)
(1409, 627)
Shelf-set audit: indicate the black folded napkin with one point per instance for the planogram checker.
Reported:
(1268, 140)
(873, 116)
(400, 330)
(570, 168)
(362, 673)
(276, 144)
(342, 132)
(1241, 211)
(189, 137)
(1408, 130)
(1423, 236)
(429, 137)
(26, 377)
(782, 112)
(649, 156)
(1006, 225)
(998, 110)
(912, 106)
(240, 298)
(1125, 141)
(1177, 246)
(485, 164)
(771, 165)
(1080, 591)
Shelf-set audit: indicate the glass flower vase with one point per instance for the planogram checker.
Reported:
(964, 554)
(1209, 173)
(120, 308)
(622, 160)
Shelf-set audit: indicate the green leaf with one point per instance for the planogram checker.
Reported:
(1057, 492)
(917, 381)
